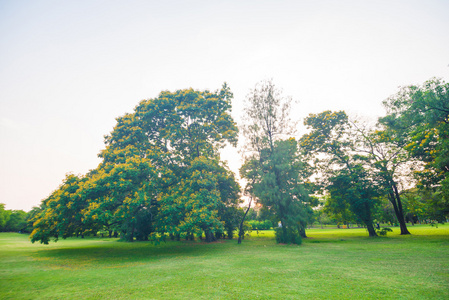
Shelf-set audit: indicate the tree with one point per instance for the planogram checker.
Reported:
(160, 175)
(385, 211)
(248, 171)
(4, 216)
(192, 205)
(425, 205)
(273, 168)
(331, 146)
(418, 115)
(17, 221)
(339, 211)
(60, 214)
(354, 186)
(390, 164)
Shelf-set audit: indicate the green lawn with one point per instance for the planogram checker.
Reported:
(331, 264)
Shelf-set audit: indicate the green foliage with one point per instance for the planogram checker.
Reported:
(12, 220)
(280, 186)
(355, 188)
(247, 228)
(160, 175)
(338, 211)
(289, 236)
(191, 205)
(252, 215)
(419, 116)
(331, 145)
(273, 168)
(384, 211)
(384, 231)
(426, 205)
(4, 216)
(17, 221)
(261, 225)
(322, 217)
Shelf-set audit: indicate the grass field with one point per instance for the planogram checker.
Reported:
(331, 264)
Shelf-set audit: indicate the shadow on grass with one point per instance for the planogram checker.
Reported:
(117, 251)
(112, 251)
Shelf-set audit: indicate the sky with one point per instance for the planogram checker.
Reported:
(68, 69)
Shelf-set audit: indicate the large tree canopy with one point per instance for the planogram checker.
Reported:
(418, 115)
(341, 169)
(161, 174)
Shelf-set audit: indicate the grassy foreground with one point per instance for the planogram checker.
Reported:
(331, 264)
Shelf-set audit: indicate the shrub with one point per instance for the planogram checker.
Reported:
(290, 237)
(261, 225)
(384, 231)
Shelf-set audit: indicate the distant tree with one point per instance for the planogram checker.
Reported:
(17, 221)
(385, 212)
(12, 220)
(338, 211)
(4, 216)
(252, 215)
(322, 217)
(425, 205)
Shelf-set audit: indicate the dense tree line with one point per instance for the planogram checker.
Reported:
(161, 175)
(14, 220)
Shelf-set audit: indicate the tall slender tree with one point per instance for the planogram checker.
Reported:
(272, 165)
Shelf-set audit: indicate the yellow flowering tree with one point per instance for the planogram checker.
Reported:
(161, 158)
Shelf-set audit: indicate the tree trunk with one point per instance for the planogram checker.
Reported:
(371, 230)
(397, 205)
(401, 219)
(230, 234)
(302, 231)
(210, 236)
(241, 232)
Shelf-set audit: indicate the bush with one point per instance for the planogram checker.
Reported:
(384, 231)
(291, 236)
(261, 225)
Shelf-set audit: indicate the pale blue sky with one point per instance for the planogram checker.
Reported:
(69, 68)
